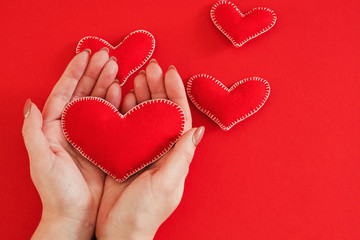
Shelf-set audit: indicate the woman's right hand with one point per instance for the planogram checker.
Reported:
(136, 208)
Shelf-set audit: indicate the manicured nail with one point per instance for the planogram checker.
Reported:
(198, 135)
(105, 48)
(142, 72)
(153, 61)
(87, 50)
(172, 67)
(113, 58)
(27, 107)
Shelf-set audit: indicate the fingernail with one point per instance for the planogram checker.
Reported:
(27, 107)
(105, 48)
(117, 81)
(113, 58)
(142, 72)
(87, 50)
(153, 61)
(198, 135)
(132, 90)
(172, 67)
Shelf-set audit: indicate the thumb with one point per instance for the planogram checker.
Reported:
(175, 167)
(36, 143)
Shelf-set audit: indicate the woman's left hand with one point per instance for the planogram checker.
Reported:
(70, 187)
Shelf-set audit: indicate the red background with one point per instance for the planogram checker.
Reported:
(291, 171)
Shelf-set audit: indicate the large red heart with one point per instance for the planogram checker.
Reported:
(121, 145)
(131, 54)
(227, 106)
(241, 27)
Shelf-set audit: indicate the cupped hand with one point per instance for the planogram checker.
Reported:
(70, 187)
(137, 207)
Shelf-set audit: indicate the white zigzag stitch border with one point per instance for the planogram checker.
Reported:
(122, 81)
(236, 44)
(78, 148)
(214, 118)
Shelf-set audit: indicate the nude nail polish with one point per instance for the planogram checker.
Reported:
(113, 58)
(198, 135)
(172, 67)
(87, 50)
(106, 49)
(27, 108)
(153, 61)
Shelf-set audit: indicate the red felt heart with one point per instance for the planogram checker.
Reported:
(241, 27)
(131, 54)
(121, 145)
(227, 106)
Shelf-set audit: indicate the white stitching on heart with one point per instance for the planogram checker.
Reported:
(66, 134)
(214, 118)
(236, 44)
(122, 81)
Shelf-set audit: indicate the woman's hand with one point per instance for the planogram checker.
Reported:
(137, 207)
(70, 187)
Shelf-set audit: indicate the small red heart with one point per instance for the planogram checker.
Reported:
(227, 106)
(122, 145)
(131, 54)
(241, 27)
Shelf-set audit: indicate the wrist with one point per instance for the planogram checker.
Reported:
(127, 235)
(54, 226)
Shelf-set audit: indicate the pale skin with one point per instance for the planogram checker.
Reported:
(79, 200)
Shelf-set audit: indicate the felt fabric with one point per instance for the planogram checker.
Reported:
(227, 106)
(121, 145)
(241, 27)
(131, 54)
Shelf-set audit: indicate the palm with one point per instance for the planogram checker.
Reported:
(124, 202)
(82, 180)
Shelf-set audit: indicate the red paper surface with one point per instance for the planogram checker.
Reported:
(291, 171)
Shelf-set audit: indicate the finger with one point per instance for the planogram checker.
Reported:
(175, 91)
(129, 102)
(64, 88)
(155, 80)
(106, 78)
(142, 91)
(113, 94)
(175, 165)
(36, 143)
(92, 73)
